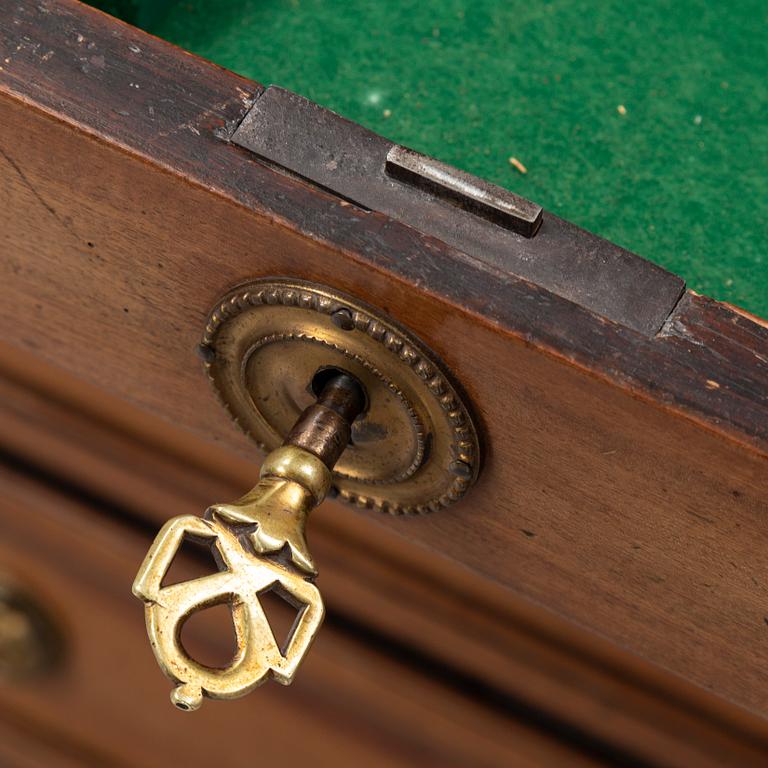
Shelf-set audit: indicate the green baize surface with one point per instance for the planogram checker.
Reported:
(645, 123)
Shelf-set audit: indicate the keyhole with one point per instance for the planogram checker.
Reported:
(324, 375)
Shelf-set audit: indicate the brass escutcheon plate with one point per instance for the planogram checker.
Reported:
(415, 448)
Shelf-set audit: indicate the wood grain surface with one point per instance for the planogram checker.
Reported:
(413, 605)
(625, 479)
(353, 705)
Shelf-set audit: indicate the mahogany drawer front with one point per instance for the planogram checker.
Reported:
(488, 650)
(109, 705)
(625, 483)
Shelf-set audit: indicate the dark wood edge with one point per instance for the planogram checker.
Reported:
(709, 362)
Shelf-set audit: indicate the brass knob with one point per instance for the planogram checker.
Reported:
(29, 642)
(259, 543)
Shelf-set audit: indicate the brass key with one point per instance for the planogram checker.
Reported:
(259, 544)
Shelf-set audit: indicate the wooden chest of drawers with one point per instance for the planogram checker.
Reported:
(597, 598)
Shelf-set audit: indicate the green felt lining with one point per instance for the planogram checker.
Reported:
(681, 177)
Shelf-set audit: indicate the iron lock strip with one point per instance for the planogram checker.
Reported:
(480, 219)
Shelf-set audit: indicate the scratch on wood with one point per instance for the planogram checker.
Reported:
(700, 516)
(754, 337)
(190, 125)
(31, 187)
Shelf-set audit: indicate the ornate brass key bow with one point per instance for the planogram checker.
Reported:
(259, 544)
